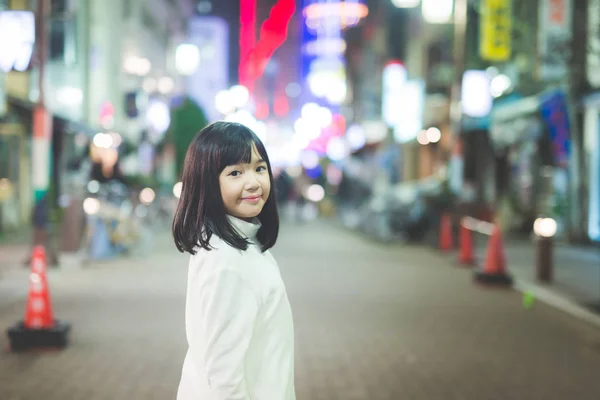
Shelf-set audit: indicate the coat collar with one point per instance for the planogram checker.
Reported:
(246, 229)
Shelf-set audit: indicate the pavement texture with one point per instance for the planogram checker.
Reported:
(372, 321)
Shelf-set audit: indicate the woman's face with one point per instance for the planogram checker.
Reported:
(245, 188)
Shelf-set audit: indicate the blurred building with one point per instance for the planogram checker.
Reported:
(108, 63)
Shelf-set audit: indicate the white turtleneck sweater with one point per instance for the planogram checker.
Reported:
(239, 325)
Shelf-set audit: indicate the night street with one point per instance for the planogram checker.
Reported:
(372, 322)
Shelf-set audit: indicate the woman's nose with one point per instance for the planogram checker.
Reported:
(252, 182)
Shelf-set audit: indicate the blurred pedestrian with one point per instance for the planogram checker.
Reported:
(239, 322)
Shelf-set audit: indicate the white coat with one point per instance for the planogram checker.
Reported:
(239, 325)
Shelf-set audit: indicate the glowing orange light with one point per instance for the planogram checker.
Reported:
(349, 13)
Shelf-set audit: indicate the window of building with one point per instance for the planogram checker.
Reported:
(63, 32)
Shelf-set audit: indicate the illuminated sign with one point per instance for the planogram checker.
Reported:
(476, 97)
(17, 37)
(496, 30)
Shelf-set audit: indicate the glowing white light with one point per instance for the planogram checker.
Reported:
(394, 78)
(290, 154)
(406, 3)
(147, 196)
(103, 140)
(309, 159)
(433, 135)
(243, 117)
(318, 83)
(240, 95)
(309, 110)
(187, 58)
(476, 100)
(137, 65)
(307, 128)
(69, 96)
(356, 138)
(158, 116)
(499, 85)
(545, 227)
(315, 193)
(224, 102)
(91, 206)
(337, 149)
(177, 188)
(409, 114)
(17, 30)
(437, 11)
(166, 85)
(300, 141)
(323, 117)
(422, 137)
(337, 92)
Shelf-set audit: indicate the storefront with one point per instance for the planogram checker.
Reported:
(527, 176)
(15, 184)
(591, 146)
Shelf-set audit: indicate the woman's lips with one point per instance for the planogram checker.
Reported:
(252, 199)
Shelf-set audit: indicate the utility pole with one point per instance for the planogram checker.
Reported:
(42, 138)
(459, 50)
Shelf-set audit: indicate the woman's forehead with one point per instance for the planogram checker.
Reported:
(254, 157)
(255, 154)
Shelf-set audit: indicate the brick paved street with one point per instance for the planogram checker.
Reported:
(372, 321)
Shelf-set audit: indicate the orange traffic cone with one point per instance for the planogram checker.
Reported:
(446, 242)
(465, 255)
(39, 328)
(494, 271)
(38, 313)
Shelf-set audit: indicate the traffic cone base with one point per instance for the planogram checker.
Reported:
(493, 279)
(38, 328)
(23, 338)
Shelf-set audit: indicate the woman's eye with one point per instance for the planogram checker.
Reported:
(261, 168)
(235, 173)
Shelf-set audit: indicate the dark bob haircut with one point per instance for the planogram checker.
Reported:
(201, 212)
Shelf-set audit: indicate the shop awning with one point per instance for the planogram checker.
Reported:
(23, 109)
(515, 119)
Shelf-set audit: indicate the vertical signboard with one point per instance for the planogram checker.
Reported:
(495, 30)
(555, 114)
(554, 38)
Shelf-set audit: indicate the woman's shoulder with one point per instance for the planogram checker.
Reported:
(219, 255)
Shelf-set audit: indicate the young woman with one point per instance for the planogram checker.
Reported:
(238, 319)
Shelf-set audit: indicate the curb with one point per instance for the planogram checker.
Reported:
(560, 302)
